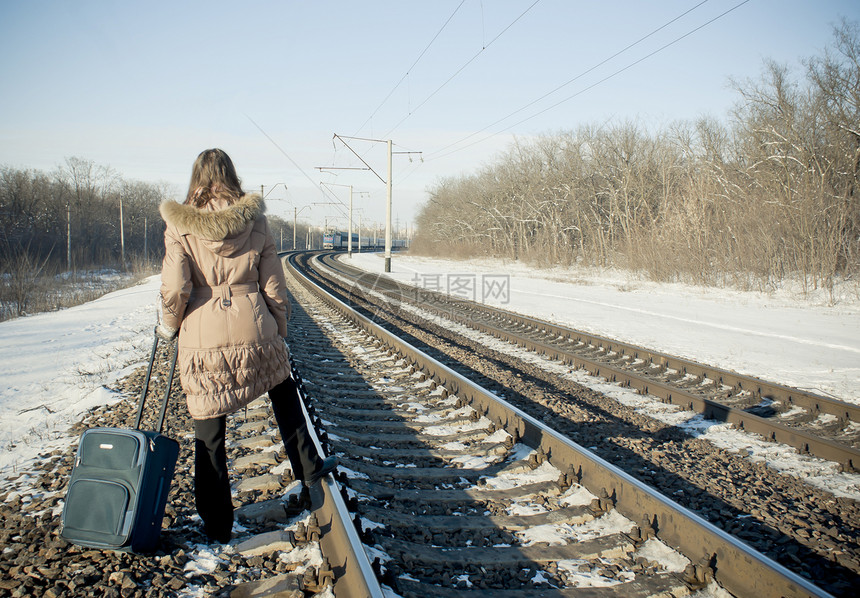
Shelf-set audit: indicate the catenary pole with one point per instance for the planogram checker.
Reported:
(121, 234)
(388, 215)
(349, 243)
(69, 236)
(388, 184)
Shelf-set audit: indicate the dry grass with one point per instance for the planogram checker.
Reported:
(28, 287)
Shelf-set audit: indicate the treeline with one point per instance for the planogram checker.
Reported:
(60, 229)
(770, 193)
(70, 218)
(83, 216)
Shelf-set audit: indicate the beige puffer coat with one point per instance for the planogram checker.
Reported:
(223, 287)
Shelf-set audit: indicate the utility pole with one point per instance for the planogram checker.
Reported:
(387, 183)
(121, 234)
(388, 215)
(272, 188)
(144, 240)
(296, 212)
(69, 235)
(390, 144)
(349, 244)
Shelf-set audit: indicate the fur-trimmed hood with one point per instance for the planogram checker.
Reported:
(214, 225)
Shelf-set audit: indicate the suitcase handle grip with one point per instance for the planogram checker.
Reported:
(145, 389)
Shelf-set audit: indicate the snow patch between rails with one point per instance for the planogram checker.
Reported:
(507, 481)
(577, 496)
(583, 574)
(612, 522)
(656, 551)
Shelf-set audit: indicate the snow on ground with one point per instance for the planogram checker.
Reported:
(57, 365)
(804, 343)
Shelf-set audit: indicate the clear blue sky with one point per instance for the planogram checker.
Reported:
(143, 87)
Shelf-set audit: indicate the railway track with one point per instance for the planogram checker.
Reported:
(813, 424)
(524, 509)
(454, 492)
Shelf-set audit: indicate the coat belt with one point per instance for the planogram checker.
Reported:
(225, 291)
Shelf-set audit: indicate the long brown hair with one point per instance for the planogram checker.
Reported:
(213, 176)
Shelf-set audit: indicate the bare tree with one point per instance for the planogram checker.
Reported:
(769, 194)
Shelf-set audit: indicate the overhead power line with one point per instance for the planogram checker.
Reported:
(592, 86)
(458, 71)
(294, 163)
(576, 78)
(409, 70)
(484, 47)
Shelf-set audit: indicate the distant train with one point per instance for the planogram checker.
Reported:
(338, 240)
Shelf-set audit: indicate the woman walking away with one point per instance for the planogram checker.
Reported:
(223, 291)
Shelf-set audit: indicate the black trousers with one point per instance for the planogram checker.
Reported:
(211, 478)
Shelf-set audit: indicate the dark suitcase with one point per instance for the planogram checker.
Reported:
(120, 481)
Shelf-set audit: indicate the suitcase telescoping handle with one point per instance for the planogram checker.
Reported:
(145, 390)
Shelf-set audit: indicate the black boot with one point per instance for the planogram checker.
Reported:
(304, 459)
(327, 465)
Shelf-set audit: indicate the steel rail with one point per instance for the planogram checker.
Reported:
(339, 541)
(737, 567)
(762, 388)
(805, 442)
